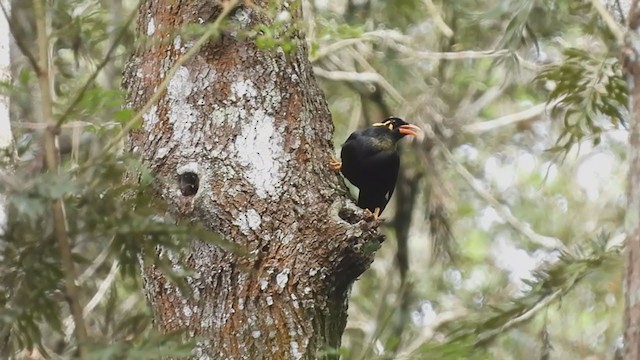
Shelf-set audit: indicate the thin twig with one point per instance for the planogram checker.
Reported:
(437, 19)
(386, 85)
(484, 337)
(211, 31)
(69, 125)
(511, 119)
(52, 162)
(350, 76)
(450, 55)
(104, 286)
(390, 35)
(102, 256)
(403, 44)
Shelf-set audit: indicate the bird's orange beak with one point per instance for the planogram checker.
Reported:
(409, 130)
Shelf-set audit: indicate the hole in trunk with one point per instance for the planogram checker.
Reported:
(189, 183)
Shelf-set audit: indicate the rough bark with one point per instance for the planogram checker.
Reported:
(6, 137)
(631, 53)
(5, 75)
(254, 128)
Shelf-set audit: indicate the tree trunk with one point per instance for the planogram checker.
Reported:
(631, 61)
(249, 132)
(6, 138)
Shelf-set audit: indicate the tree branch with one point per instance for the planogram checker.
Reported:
(398, 40)
(386, 85)
(511, 119)
(350, 76)
(437, 19)
(52, 162)
(97, 297)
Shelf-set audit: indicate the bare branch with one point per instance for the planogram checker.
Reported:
(400, 42)
(350, 76)
(451, 55)
(105, 285)
(437, 19)
(386, 85)
(99, 260)
(468, 109)
(388, 35)
(511, 119)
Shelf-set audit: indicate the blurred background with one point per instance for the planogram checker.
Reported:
(504, 228)
(504, 233)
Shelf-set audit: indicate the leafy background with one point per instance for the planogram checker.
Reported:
(504, 235)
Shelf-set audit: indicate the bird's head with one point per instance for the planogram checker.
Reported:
(398, 127)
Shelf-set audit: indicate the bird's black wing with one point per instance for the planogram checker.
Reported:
(380, 180)
(394, 169)
(351, 156)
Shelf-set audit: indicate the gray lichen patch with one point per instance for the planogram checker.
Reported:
(243, 89)
(282, 278)
(259, 148)
(248, 221)
(149, 120)
(182, 115)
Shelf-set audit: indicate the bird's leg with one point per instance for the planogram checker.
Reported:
(375, 214)
(334, 164)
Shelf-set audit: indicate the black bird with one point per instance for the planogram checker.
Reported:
(370, 161)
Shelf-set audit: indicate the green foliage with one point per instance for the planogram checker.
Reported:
(153, 347)
(280, 31)
(103, 212)
(586, 88)
(518, 28)
(514, 193)
(568, 307)
(555, 281)
(114, 218)
(274, 36)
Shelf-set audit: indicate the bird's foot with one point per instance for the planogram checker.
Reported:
(375, 214)
(334, 164)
